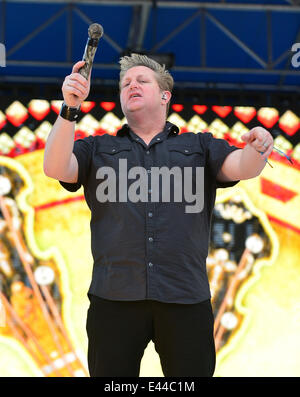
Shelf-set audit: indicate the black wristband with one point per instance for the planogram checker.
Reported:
(69, 113)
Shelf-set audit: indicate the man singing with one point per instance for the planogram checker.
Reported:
(149, 277)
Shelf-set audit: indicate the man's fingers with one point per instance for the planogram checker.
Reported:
(77, 77)
(259, 145)
(262, 143)
(77, 85)
(261, 140)
(268, 151)
(247, 137)
(73, 91)
(77, 66)
(75, 72)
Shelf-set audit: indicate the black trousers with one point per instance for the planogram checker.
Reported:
(119, 331)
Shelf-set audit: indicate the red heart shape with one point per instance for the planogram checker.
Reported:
(200, 109)
(108, 106)
(177, 107)
(222, 111)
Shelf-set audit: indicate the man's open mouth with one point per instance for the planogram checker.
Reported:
(134, 96)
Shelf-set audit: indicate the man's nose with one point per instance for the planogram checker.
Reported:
(133, 84)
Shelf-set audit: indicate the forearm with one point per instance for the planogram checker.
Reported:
(59, 147)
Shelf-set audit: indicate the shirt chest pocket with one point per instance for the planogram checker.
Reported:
(113, 156)
(185, 156)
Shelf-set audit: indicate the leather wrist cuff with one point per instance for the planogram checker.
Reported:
(69, 113)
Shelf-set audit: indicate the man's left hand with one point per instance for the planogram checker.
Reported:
(260, 139)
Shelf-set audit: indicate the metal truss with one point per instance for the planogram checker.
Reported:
(136, 33)
(221, 4)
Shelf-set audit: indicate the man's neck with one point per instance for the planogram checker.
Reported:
(146, 129)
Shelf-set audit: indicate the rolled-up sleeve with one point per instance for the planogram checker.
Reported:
(83, 149)
(217, 151)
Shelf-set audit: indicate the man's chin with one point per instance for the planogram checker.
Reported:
(133, 109)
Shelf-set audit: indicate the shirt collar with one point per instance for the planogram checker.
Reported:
(169, 128)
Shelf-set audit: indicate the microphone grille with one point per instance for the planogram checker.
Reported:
(95, 31)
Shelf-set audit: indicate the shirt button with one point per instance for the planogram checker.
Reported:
(137, 139)
(158, 139)
(150, 264)
(186, 151)
(113, 150)
(150, 214)
(148, 171)
(150, 239)
(148, 152)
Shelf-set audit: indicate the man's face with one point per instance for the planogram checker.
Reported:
(139, 90)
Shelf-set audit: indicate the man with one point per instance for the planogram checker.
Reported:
(149, 276)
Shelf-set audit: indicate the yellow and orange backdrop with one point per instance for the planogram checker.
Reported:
(46, 263)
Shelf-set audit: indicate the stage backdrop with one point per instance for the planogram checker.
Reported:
(46, 263)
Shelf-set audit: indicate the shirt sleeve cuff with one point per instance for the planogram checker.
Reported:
(73, 187)
(225, 184)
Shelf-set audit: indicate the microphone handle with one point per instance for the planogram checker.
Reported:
(88, 57)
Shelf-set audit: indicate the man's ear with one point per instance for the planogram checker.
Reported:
(166, 95)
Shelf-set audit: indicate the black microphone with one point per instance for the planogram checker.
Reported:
(95, 33)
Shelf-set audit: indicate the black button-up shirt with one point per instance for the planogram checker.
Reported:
(149, 248)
